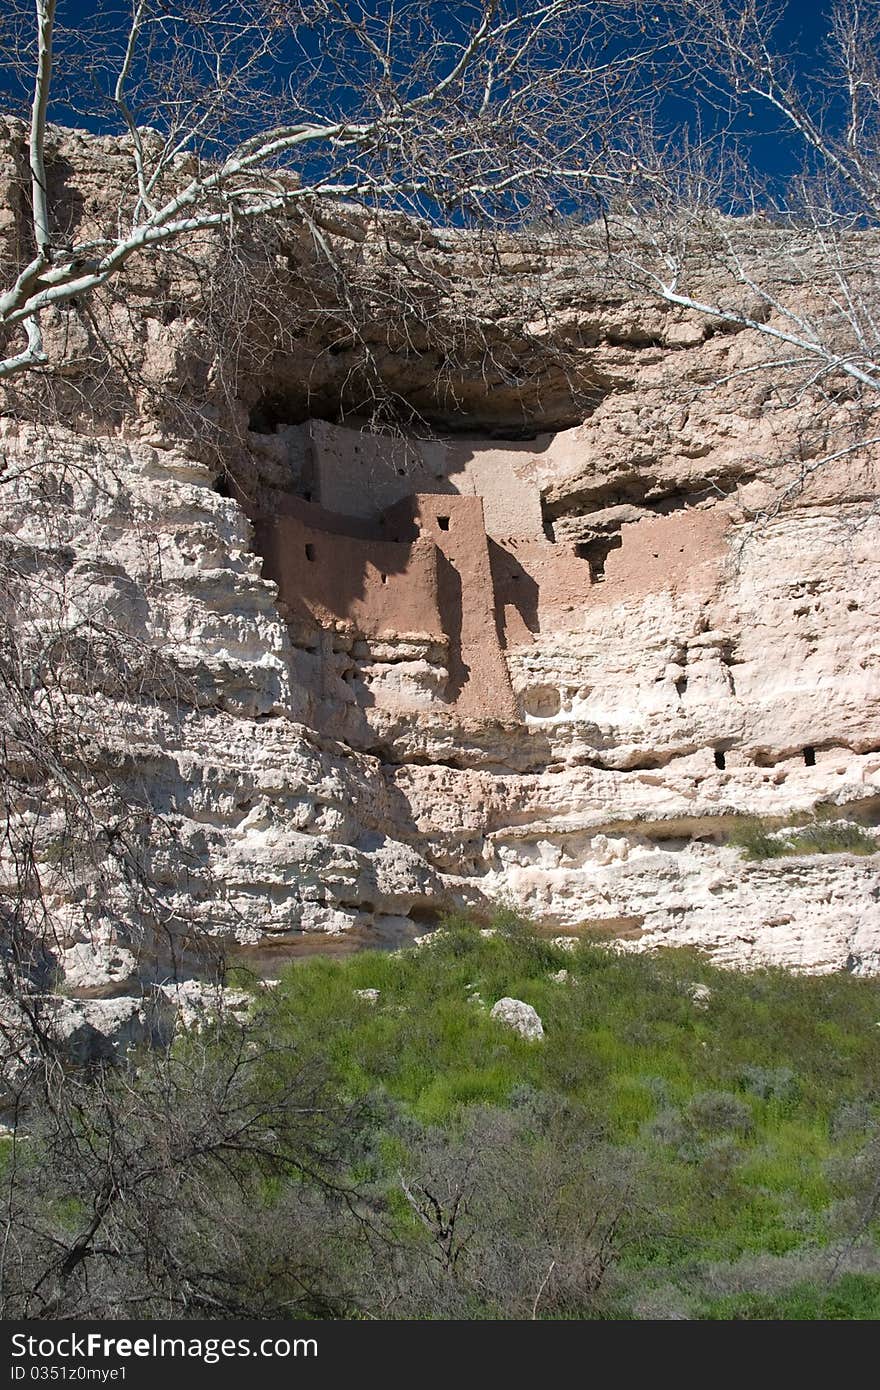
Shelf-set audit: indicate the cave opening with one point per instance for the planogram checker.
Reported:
(596, 553)
(720, 760)
(809, 756)
(280, 407)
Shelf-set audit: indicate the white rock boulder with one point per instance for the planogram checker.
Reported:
(516, 1014)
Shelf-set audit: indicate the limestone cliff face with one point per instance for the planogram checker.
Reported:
(444, 667)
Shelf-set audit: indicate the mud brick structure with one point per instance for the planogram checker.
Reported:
(442, 542)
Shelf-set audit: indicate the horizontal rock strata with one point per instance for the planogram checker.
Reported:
(560, 677)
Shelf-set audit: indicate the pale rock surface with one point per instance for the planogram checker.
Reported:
(98, 1030)
(521, 1017)
(195, 1003)
(306, 787)
(85, 1031)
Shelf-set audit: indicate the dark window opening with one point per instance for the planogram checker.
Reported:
(809, 757)
(310, 552)
(443, 523)
(720, 760)
(384, 578)
(596, 553)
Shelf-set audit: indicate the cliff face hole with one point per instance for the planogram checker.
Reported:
(443, 523)
(596, 553)
(310, 552)
(294, 397)
(542, 701)
(809, 757)
(720, 760)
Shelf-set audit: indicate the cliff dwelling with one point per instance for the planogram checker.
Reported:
(438, 545)
(422, 675)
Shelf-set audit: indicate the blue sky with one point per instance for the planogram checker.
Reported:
(772, 151)
(801, 31)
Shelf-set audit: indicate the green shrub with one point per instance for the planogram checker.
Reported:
(408, 1157)
(720, 1112)
(756, 841)
(770, 1083)
(841, 838)
(853, 1297)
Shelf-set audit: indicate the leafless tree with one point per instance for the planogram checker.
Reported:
(708, 231)
(160, 1190)
(232, 112)
(523, 1213)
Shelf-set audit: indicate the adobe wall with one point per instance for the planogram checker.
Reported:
(538, 587)
(504, 476)
(478, 671)
(683, 550)
(403, 572)
(378, 587)
(435, 581)
(363, 475)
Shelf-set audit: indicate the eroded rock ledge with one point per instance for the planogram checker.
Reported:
(436, 669)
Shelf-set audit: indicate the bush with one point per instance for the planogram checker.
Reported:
(840, 838)
(853, 1297)
(643, 1145)
(720, 1112)
(771, 1083)
(757, 841)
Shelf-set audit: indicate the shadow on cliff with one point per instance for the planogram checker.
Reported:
(449, 594)
(514, 587)
(372, 576)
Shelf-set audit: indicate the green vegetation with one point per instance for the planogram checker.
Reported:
(758, 841)
(663, 1151)
(737, 1131)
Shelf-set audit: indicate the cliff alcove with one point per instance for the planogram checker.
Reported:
(384, 673)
